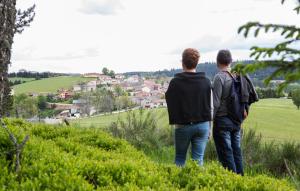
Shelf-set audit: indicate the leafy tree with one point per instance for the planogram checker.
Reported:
(86, 103)
(118, 90)
(123, 102)
(108, 72)
(11, 22)
(105, 71)
(268, 93)
(112, 74)
(288, 63)
(296, 97)
(25, 106)
(42, 102)
(107, 103)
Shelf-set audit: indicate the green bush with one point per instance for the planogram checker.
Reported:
(141, 130)
(68, 158)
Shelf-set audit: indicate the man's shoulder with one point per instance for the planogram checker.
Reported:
(219, 76)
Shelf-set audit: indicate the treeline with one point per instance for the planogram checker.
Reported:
(36, 75)
(210, 68)
(269, 93)
(16, 82)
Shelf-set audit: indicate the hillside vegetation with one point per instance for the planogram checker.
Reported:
(275, 119)
(49, 85)
(21, 79)
(68, 158)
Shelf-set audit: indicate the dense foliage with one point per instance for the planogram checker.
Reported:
(296, 97)
(269, 93)
(25, 106)
(69, 158)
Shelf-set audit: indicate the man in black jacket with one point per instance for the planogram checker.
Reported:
(189, 100)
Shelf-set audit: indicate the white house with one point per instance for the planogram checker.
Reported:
(91, 86)
(146, 89)
(133, 79)
(77, 88)
(146, 103)
(120, 76)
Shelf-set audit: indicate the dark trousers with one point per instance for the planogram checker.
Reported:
(227, 138)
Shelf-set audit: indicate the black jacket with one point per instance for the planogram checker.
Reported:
(189, 98)
(248, 91)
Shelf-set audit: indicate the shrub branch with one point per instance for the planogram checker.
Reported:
(18, 147)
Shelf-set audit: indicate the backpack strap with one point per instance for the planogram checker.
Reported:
(230, 74)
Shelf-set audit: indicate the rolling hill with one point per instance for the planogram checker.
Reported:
(49, 85)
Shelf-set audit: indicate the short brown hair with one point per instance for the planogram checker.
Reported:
(224, 57)
(190, 58)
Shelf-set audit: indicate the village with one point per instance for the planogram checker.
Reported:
(141, 92)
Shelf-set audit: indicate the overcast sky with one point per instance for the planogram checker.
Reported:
(139, 35)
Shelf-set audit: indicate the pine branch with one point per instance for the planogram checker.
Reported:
(24, 18)
(288, 63)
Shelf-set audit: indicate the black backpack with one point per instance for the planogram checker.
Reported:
(234, 104)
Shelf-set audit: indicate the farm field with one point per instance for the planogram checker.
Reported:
(275, 119)
(49, 85)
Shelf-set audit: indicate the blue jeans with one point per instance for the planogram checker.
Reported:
(197, 135)
(227, 137)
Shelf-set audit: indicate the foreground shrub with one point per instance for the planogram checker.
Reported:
(141, 130)
(89, 159)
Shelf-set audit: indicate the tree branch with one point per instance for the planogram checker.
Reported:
(24, 18)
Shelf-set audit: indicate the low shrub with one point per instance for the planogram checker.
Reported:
(90, 159)
(142, 131)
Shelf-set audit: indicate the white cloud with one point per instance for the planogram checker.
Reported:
(102, 7)
(145, 35)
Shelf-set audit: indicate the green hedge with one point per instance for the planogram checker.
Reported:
(68, 158)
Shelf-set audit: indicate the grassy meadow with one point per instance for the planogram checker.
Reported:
(275, 119)
(49, 85)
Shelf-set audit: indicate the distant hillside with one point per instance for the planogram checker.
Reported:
(49, 85)
(210, 68)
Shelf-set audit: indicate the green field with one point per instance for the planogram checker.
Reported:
(49, 85)
(275, 119)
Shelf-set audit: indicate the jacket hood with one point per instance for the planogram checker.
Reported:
(190, 75)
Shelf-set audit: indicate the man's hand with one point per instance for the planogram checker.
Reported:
(245, 114)
(210, 130)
